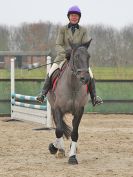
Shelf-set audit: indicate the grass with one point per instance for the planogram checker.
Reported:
(99, 73)
(35, 74)
(24, 74)
(113, 72)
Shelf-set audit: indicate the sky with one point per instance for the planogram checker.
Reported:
(115, 13)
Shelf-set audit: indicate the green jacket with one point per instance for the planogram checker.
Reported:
(65, 35)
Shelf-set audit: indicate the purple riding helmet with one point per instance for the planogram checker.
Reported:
(74, 10)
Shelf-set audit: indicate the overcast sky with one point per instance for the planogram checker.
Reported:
(116, 13)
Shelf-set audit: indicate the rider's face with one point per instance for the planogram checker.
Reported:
(74, 18)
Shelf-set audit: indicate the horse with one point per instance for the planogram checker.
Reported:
(70, 96)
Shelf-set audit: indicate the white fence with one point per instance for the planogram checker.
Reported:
(29, 112)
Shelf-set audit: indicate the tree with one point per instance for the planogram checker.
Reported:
(4, 38)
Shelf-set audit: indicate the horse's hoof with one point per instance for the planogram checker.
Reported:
(60, 154)
(52, 148)
(72, 160)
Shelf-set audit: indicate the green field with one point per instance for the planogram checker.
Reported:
(24, 74)
(99, 73)
(113, 72)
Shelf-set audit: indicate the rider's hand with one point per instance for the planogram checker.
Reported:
(68, 54)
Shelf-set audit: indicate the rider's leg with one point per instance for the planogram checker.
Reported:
(47, 83)
(96, 100)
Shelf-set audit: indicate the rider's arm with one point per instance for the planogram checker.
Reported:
(85, 37)
(60, 43)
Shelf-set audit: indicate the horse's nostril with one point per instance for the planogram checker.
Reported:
(82, 79)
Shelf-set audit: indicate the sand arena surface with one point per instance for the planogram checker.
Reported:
(105, 149)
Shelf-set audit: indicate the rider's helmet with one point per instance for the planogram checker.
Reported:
(74, 10)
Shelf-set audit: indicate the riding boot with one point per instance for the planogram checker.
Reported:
(96, 100)
(45, 89)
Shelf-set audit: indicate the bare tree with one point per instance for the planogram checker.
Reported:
(110, 47)
(4, 38)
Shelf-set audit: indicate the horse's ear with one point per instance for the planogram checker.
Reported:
(87, 44)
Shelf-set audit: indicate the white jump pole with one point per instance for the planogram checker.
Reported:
(49, 120)
(12, 81)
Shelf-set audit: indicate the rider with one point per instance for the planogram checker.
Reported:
(76, 34)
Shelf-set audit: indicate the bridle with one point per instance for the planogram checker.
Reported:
(76, 71)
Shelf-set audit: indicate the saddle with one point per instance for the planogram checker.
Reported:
(56, 75)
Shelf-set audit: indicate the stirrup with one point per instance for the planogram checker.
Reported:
(41, 98)
(99, 100)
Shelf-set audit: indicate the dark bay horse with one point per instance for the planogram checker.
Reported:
(70, 96)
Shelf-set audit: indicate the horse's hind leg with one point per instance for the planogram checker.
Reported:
(74, 136)
(58, 146)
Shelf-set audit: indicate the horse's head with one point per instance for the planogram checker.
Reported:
(79, 61)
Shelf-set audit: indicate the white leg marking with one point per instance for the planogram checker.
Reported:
(73, 149)
(59, 143)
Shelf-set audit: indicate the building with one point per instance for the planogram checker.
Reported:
(23, 59)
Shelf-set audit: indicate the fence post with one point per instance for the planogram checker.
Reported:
(49, 120)
(12, 81)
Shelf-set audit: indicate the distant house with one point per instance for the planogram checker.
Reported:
(2, 62)
(23, 59)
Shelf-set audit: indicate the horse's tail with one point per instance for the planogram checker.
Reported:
(66, 129)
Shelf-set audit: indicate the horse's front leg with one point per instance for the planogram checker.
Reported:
(58, 146)
(74, 136)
